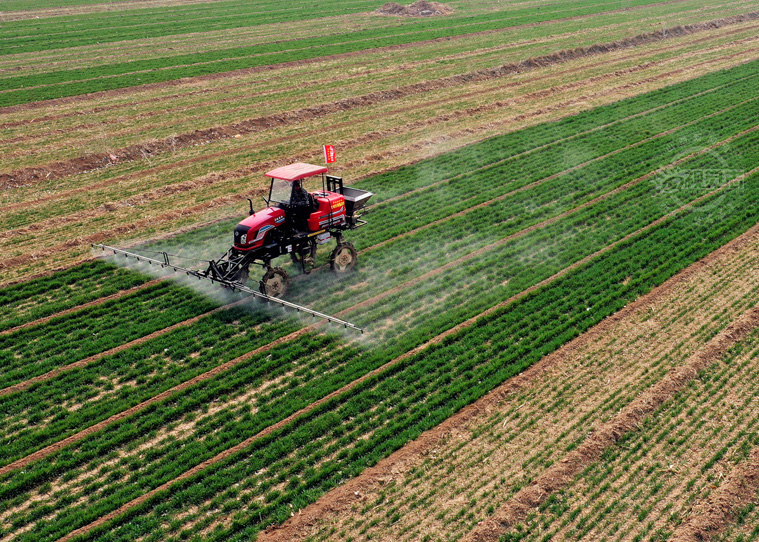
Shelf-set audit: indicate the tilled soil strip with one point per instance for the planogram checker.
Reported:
(115, 350)
(78, 308)
(27, 176)
(343, 497)
(709, 518)
(316, 404)
(303, 62)
(629, 419)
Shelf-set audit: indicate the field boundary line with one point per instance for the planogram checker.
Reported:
(89, 304)
(607, 434)
(115, 350)
(412, 454)
(713, 515)
(377, 371)
(31, 175)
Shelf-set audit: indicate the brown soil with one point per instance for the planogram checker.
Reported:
(344, 497)
(28, 176)
(420, 8)
(629, 419)
(711, 517)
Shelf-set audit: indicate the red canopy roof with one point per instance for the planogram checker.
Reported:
(295, 172)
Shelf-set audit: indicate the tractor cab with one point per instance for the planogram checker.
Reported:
(306, 212)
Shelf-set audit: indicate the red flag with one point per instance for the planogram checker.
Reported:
(329, 154)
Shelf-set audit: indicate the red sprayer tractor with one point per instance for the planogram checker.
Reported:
(296, 223)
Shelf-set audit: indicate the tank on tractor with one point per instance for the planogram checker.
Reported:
(296, 223)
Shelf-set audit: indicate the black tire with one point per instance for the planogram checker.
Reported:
(343, 258)
(274, 282)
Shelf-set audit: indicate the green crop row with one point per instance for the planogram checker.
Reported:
(358, 428)
(633, 471)
(29, 301)
(401, 260)
(36, 350)
(501, 148)
(77, 81)
(646, 209)
(54, 409)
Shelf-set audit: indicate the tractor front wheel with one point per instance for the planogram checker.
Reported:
(343, 258)
(274, 282)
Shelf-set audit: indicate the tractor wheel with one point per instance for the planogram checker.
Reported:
(274, 282)
(343, 258)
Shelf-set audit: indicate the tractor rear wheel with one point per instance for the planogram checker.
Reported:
(274, 282)
(343, 258)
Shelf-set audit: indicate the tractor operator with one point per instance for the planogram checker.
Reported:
(302, 204)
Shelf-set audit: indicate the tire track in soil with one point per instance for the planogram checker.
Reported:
(28, 176)
(21, 386)
(382, 134)
(213, 178)
(711, 517)
(295, 63)
(89, 304)
(561, 473)
(316, 404)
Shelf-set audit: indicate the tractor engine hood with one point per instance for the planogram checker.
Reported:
(251, 232)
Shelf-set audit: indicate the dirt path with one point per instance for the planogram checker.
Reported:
(344, 498)
(28, 176)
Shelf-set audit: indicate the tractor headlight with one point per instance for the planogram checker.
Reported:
(244, 239)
